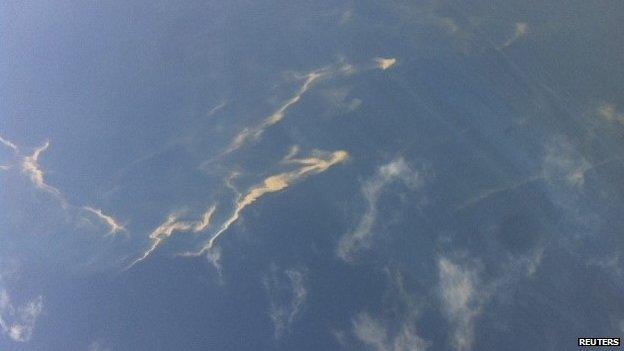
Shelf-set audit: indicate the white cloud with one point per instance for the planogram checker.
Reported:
(397, 331)
(408, 340)
(385, 63)
(292, 152)
(254, 133)
(445, 23)
(214, 256)
(18, 323)
(375, 334)
(30, 166)
(287, 295)
(204, 222)
(346, 16)
(460, 300)
(562, 162)
(97, 346)
(532, 260)
(339, 100)
(229, 181)
(309, 166)
(361, 236)
(171, 226)
(609, 112)
(521, 29)
(112, 223)
(8, 144)
(370, 331)
(610, 263)
(217, 108)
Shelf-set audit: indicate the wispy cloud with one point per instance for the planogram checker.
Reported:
(370, 331)
(461, 302)
(214, 257)
(398, 333)
(360, 237)
(30, 166)
(8, 144)
(609, 112)
(375, 334)
(254, 133)
(217, 108)
(164, 231)
(445, 23)
(562, 161)
(340, 101)
(230, 181)
(521, 29)
(346, 16)
(97, 346)
(171, 226)
(309, 166)
(204, 222)
(287, 294)
(112, 223)
(292, 152)
(18, 322)
(385, 63)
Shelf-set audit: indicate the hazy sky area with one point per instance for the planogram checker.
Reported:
(311, 175)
